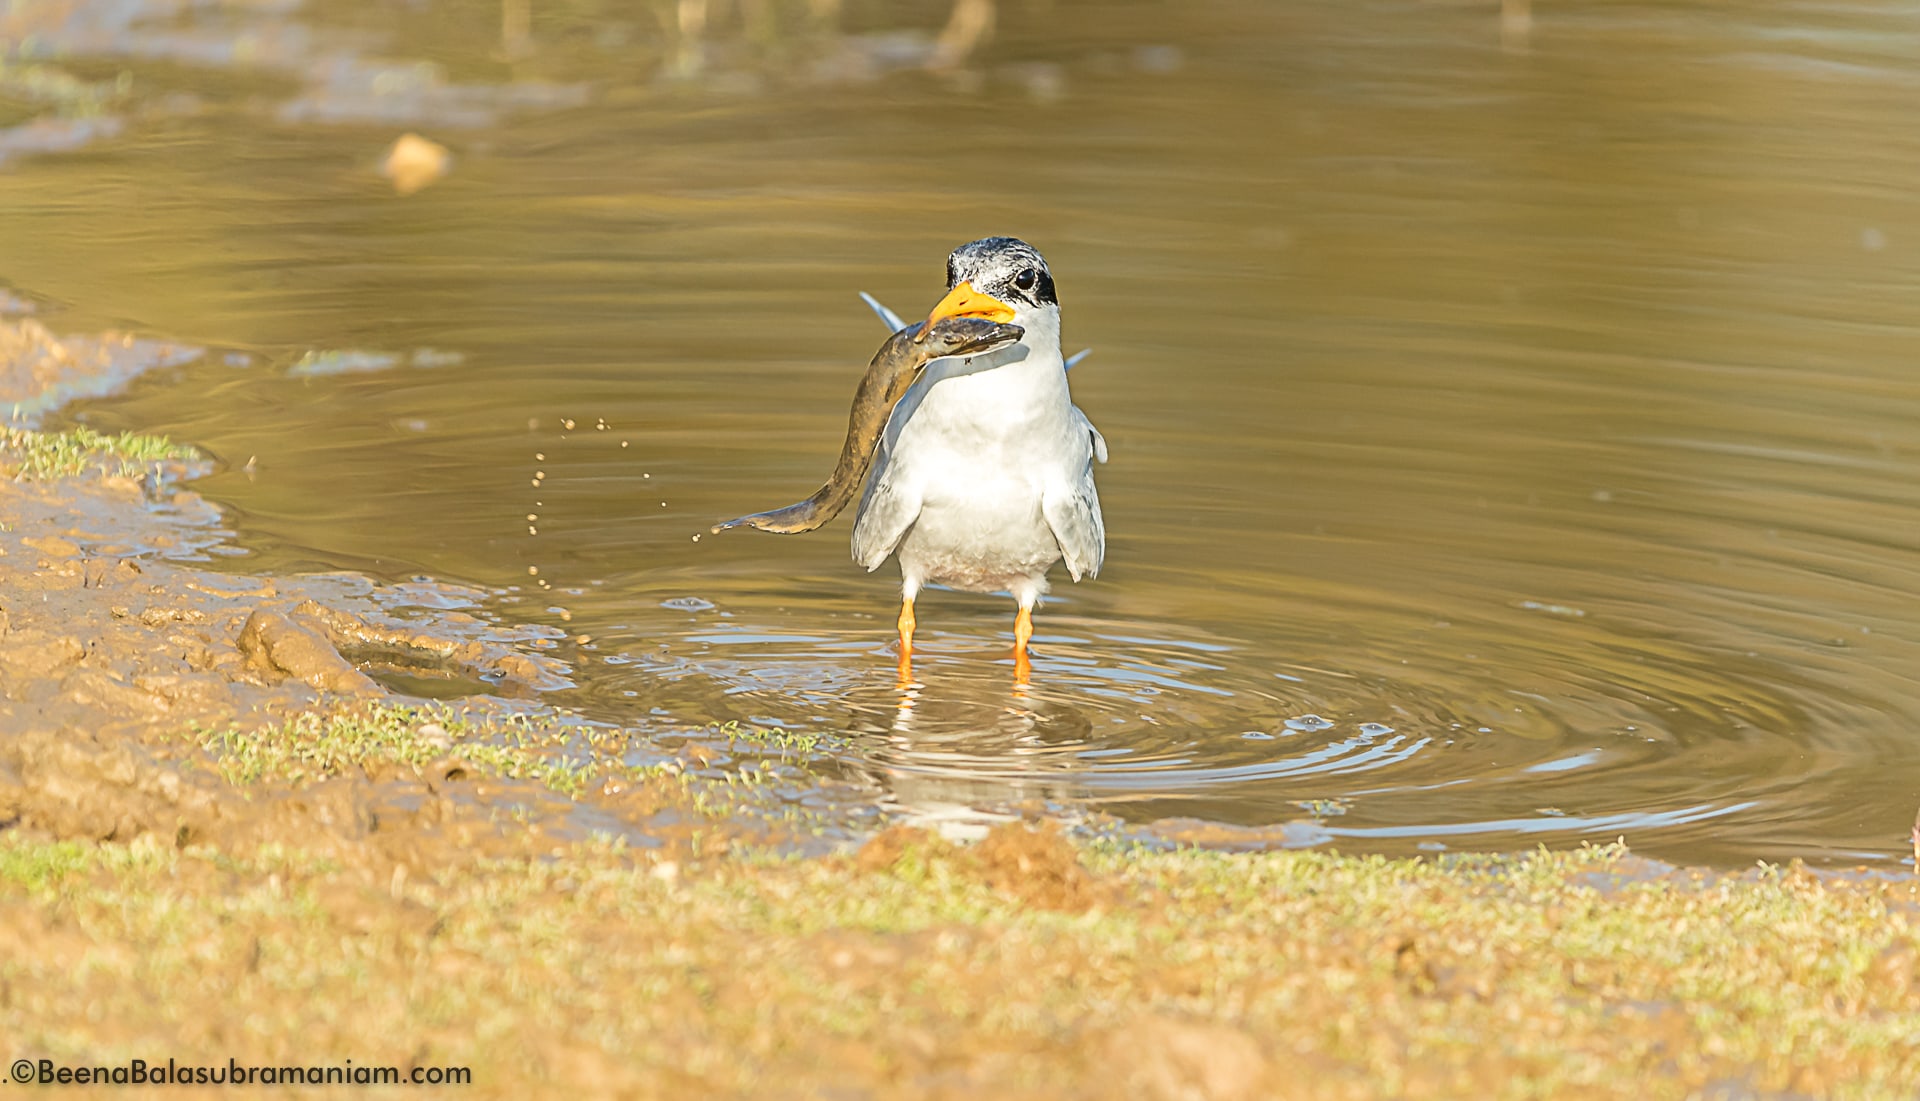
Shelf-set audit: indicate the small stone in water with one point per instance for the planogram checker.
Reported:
(413, 162)
(1308, 722)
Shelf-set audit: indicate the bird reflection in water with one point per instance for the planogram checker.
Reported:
(958, 764)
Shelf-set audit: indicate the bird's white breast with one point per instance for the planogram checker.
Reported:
(979, 442)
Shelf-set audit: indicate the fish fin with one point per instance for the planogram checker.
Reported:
(891, 319)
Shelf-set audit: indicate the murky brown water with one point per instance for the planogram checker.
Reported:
(1509, 446)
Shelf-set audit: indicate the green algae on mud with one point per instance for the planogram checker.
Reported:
(586, 764)
(918, 969)
(510, 767)
(317, 745)
(28, 455)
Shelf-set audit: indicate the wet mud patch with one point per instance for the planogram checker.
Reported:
(99, 563)
(115, 646)
(141, 694)
(103, 564)
(40, 372)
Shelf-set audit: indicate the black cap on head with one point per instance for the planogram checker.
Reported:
(1005, 267)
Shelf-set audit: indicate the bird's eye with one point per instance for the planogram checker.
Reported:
(1025, 279)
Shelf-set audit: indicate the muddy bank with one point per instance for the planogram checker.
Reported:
(144, 693)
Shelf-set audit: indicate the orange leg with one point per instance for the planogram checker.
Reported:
(906, 627)
(906, 642)
(1022, 634)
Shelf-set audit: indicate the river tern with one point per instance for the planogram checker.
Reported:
(984, 478)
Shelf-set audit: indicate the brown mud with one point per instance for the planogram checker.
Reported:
(225, 835)
(120, 665)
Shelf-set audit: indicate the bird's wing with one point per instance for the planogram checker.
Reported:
(887, 317)
(1076, 358)
(1099, 441)
(887, 510)
(1072, 509)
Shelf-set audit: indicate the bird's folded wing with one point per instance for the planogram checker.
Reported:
(1073, 510)
(886, 512)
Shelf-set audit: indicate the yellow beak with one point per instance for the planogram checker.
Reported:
(964, 301)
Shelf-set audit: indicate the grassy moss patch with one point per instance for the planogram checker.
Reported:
(921, 967)
(748, 793)
(40, 456)
(317, 745)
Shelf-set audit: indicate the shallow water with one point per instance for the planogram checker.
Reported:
(1511, 443)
